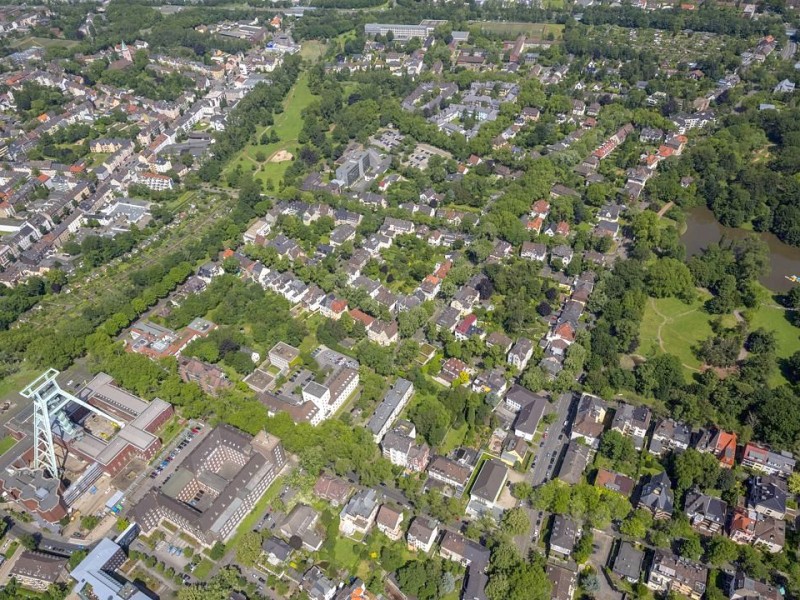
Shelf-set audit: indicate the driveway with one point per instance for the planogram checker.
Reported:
(599, 559)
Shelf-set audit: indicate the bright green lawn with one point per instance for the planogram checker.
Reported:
(6, 444)
(203, 569)
(453, 439)
(672, 326)
(287, 125)
(16, 382)
(773, 318)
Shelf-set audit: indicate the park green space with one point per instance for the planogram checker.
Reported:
(287, 126)
(675, 327)
(31, 41)
(532, 30)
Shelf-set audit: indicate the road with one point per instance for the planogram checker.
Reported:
(546, 460)
(554, 444)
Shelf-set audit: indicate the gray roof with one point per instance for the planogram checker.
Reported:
(490, 480)
(629, 561)
(564, 533)
(574, 463)
(530, 415)
(388, 405)
(657, 494)
(95, 570)
(705, 507)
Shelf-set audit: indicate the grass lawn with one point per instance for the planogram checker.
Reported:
(287, 126)
(453, 439)
(30, 41)
(14, 383)
(538, 31)
(312, 50)
(670, 325)
(345, 554)
(6, 444)
(773, 318)
(203, 569)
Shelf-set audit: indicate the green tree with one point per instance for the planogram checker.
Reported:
(515, 521)
(248, 548)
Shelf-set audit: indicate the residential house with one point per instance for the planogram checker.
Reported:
(359, 513)
(742, 587)
(721, 444)
(392, 404)
(520, 354)
(762, 459)
(422, 533)
(515, 450)
(616, 482)
(563, 536)
(332, 489)
(706, 513)
(452, 369)
(487, 487)
(389, 521)
(301, 523)
(669, 573)
(404, 451)
(767, 496)
(38, 571)
(670, 436)
(575, 461)
(471, 555)
(317, 586)
(656, 496)
(561, 256)
(628, 563)
(563, 582)
(529, 416)
(589, 422)
(451, 473)
(533, 251)
(500, 340)
(282, 355)
(633, 422)
(276, 550)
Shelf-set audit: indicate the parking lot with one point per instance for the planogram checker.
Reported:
(184, 441)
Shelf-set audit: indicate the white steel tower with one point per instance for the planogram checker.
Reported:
(48, 402)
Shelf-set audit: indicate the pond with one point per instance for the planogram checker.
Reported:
(702, 229)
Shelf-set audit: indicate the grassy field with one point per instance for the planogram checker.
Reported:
(453, 439)
(773, 318)
(537, 31)
(30, 41)
(287, 126)
(6, 444)
(203, 569)
(312, 50)
(14, 383)
(672, 326)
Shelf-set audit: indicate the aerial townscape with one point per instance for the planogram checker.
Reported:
(399, 300)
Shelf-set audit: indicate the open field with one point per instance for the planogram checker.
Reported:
(672, 326)
(537, 31)
(774, 318)
(312, 49)
(287, 126)
(30, 41)
(675, 327)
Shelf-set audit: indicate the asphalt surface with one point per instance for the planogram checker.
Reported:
(552, 447)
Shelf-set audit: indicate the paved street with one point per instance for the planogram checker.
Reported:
(552, 447)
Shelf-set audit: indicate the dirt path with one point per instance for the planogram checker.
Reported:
(665, 321)
(665, 208)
